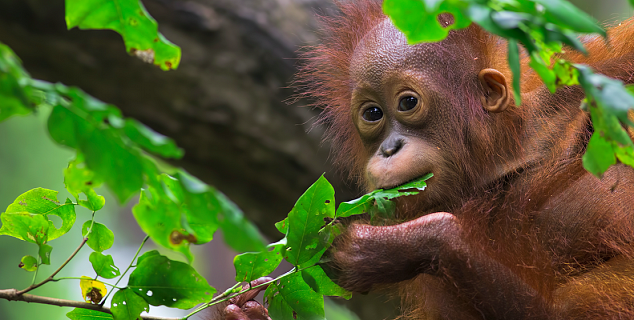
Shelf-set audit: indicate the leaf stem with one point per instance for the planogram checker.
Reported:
(50, 278)
(127, 269)
(79, 278)
(39, 264)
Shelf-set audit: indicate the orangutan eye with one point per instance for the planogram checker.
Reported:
(372, 114)
(407, 103)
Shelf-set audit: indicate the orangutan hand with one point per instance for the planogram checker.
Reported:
(243, 307)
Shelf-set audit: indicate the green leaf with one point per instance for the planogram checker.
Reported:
(146, 255)
(201, 204)
(564, 13)
(253, 265)
(127, 305)
(402, 190)
(514, 64)
(104, 151)
(238, 232)
(625, 155)
(86, 314)
(335, 311)
(28, 263)
(210, 208)
(14, 92)
(418, 20)
(290, 294)
(65, 126)
(609, 93)
(365, 203)
(90, 108)
(282, 226)
(119, 166)
(25, 226)
(609, 104)
(104, 265)
(306, 219)
(316, 278)
(100, 238)
(130, 19)
(161, 281)
(78, 178)
(183, 210)
(552, 33)
(95, 202)
(45, 253)
(151, 140)
(566, 74)
(547, 75)
(599, 155)
(44, 202)
(160, 218)
(510, 20)
(483, 16)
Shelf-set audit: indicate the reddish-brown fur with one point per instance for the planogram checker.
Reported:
(527, 233)
(578, 264)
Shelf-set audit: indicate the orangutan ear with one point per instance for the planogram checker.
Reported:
(495, 97)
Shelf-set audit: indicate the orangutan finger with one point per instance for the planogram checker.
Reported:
(250, 295)
(255, 311)
(233, 312)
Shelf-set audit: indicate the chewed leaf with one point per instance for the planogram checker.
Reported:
(564, 13)
(130, 19)
(127, 305)
(419, 19)
(92, 291)
(292, 298)
(378, 197)
(45, 253)
(305, 220)
(87, 314)
(101, 238)
(252, 265)
(317, 279)
(14, 99)
(104, 265)
(28, 263)
(151, 140)
(38, 202)
(25, 226)
(161, 281)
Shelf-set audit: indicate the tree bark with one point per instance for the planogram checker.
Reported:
(225, 104)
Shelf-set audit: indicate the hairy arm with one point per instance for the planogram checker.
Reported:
(433, 244)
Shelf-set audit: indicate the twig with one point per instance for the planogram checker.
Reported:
(15, 295)
(128, 268)
(50, 278)
(228, 294)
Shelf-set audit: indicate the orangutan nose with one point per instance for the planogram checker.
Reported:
(391, 146)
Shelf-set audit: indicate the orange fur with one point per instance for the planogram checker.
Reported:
(585, 246)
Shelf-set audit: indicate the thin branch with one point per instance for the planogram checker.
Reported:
(128, 268)
(80, 278)
(31, 287)
(50, 278)
(14, 295)
(228, 294)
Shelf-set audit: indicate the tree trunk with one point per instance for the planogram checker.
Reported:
(225, 104)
